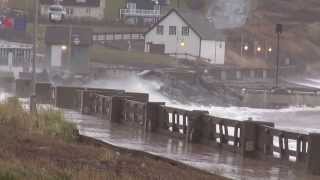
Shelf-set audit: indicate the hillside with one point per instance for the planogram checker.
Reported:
(301, 37)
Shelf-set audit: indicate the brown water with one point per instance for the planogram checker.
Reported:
(200, 156)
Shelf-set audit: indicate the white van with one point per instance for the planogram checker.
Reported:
(56, 13)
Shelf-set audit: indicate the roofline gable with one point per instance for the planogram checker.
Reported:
(177, 12)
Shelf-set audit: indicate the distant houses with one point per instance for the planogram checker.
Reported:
(142, 12)
(186, 34)
(76, 9)
(15, 49)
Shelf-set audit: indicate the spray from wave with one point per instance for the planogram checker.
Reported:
(295, 118)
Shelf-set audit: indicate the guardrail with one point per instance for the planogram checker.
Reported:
(249, 138)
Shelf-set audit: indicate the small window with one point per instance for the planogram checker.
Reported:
(185, 31)
(172, 30)
(220, 45)
(160, 30)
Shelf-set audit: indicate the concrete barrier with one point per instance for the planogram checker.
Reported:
(23, 88)
(44, 93)
(251, 139)
(313, 163)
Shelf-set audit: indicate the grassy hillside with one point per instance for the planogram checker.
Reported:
(111, 56)
(45, 147)
(113, 9)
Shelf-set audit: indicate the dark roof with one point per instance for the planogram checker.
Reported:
(197, 22)
(80, 3)
(142, 4)
(15, 36)
(60, 35)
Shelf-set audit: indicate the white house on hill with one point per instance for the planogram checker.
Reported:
(186, 34)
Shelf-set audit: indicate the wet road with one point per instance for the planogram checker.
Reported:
(200, 156)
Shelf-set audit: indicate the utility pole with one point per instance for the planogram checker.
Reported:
(70, 44)
(241, 45)
(33, 105)
(278, 31)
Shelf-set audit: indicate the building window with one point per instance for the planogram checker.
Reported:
(220, 45)
(185, 31)
(160, 30)
(172, 30)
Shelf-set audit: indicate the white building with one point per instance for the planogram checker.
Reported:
(14, 57)
(141, 12)
(186, 34)
(76, 9)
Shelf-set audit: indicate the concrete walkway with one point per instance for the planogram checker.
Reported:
(199, 156)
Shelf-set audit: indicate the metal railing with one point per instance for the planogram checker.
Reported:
(139, 13)
(117, 36)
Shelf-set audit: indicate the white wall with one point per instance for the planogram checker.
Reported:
(172, 42)
(56, 56)
(213, 50)
(78, 12)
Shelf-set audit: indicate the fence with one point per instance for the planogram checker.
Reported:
(117, 36)
(140, 12)
(247, 138)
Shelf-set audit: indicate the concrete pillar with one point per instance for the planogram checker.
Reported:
(154, 116)
(248, 138)
(264, 138)
(117, 109)
(314, 154)
(255, 139)
(197, 126)
(43, 93)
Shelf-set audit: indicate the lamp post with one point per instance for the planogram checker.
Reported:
(278, 31)
(33, 106)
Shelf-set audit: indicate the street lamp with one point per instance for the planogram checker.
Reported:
(246, 47)
(33, 105)
(259, 49)
(270, 50)
(182, 44)
(64, 47)
(278, 31)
